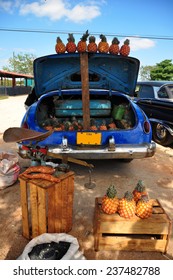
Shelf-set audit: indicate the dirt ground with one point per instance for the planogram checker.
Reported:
(156, 172)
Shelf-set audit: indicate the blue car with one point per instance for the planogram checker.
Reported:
(84, 100)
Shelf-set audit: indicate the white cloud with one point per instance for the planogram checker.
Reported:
(140, 43)
(9, 6)
(58, 9)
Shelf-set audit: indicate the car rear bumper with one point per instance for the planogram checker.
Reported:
(118, 152)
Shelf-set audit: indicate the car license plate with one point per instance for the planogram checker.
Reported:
(89, 138)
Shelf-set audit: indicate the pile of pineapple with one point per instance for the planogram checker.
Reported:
(133, 203)
(81, 46)
(74, 124)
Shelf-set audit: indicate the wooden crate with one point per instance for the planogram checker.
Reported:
(46, 206)
(112, 232)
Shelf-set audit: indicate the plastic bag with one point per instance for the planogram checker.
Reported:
(9, 169)
(73, 252)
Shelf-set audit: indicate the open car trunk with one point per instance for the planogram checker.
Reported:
(65, 112)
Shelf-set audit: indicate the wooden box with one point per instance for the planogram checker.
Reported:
(112, 232)
(46, 206)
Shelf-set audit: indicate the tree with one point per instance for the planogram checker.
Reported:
(162, 71)
(145, 72)
(21, 63)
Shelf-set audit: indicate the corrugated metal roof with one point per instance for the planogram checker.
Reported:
(14, 75)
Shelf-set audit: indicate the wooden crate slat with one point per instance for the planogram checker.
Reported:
(70, 199)
(130, 244)
(42, 222)
(137, 227)
(51, 209)
(34, 209)
(24, 206)
(58, 207)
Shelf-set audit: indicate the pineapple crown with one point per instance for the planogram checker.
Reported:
(144, 198)
(115, 41)
(128, 196)
(111, 191)
(85, 36)
(140, 186)
(127, 42)
(92, 39)
(71, 38)
(92, 122)
(58, 40)
(103, 38)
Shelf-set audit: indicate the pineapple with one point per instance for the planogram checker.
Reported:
(93, 125)
(114, 47)
(127, 206)
(103, 46)
(139, 190)
(110, 201)
(112, 125)
(82, 45)
(59, 47)
(71, 46)
(125, 49)
(144, 207)
(103, 125)
(92, 46)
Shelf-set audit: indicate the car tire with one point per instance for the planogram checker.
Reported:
(161, 135)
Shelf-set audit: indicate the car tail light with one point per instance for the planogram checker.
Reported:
(25, 125)
(146, 127)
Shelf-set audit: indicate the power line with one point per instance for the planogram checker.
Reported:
(155, 37)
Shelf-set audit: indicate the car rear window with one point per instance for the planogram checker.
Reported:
(145, 91)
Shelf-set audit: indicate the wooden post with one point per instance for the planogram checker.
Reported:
(85, 89)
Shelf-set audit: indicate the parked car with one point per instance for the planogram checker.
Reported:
(162, 90)
(160, 114)
(117, 128)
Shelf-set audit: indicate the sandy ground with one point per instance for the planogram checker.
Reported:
(156, 172)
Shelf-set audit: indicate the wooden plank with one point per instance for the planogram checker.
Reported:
(24, 206)
(42, 224)
(130, 227)
(70, 197)
(34, 209)
(65, 206)
(51, 209)
(58, 207)
(129, 244)
(85, 89)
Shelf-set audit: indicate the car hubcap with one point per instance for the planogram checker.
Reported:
(160, 131)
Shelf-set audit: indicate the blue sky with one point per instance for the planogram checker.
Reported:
(120, 18)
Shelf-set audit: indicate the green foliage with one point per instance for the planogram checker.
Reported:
(163, 71)
(21, 63)
(144, 72)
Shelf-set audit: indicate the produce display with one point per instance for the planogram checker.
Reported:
(132, 203)
(103, 45)
(121, 117)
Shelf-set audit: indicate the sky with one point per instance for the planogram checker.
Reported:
(32, 26)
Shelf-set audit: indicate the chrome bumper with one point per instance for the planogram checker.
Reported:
(119, 152)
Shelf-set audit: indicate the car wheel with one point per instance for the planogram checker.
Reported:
(161, 135)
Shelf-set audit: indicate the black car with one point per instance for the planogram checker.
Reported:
(160, 114)
(162, 90)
